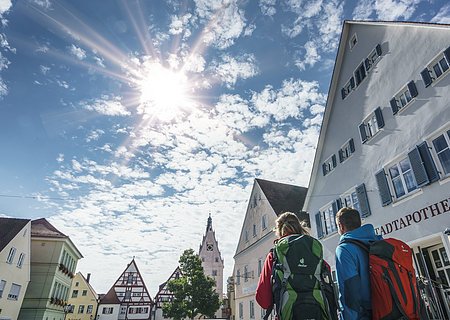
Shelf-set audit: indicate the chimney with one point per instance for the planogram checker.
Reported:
(88, 277)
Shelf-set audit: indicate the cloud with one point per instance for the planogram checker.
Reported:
(79, 53)
(225, 21)
(293, 97)
(44, 69)
(443, 16)
(107, 106)
(5, 5)
(94, 135)
(46, 4)
(267, 7)
(311, 56)
(363, 10)
(386, 9)
(230, 68)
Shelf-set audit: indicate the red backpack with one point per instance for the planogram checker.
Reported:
(392, 279)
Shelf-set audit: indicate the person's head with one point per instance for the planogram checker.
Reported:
(288, 223)
(347, 219)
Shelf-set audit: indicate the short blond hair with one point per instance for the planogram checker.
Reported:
(288, 223)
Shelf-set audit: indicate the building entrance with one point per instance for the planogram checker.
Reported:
(441, 264)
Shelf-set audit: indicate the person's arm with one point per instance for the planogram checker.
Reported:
(349, 283)
(264, 289)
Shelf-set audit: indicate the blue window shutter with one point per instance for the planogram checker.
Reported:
(412, 89)
(324, 169)
(394, 106)
(379, 117)
(333, 158)
(352, 145)
(341, 156)
(378, 49)
(418, 168)
(352, 82)
(447, 54)
(426, 77)
(363, 200)
(363, 72)
(343, 93)
(383, 188)
(362, 132)
(430, 166)
(367, 64)
(319, 225)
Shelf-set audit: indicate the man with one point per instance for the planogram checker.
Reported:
(352, 266)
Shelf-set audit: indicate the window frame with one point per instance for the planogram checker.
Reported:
(436, 61)
(330, 163)
(264, 222)
(81, 309)
(353, 41)
(2, 287)
(345, 151)
(252, 309)
(75, 294)
(14, 295)
(20, 260)
(396, 163)
(435, 155)
(11, 254)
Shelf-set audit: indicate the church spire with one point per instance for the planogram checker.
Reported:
(209, 224)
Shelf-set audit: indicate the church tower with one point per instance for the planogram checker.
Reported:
(212, 261)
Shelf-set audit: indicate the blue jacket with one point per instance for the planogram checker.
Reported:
(352, 271)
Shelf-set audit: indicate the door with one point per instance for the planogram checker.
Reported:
(441, 264)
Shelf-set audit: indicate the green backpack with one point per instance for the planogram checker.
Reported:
(302, 285)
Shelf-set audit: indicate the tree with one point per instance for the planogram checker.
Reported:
(193, 291)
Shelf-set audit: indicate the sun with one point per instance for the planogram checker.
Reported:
(164, 92)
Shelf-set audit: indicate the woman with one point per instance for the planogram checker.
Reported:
(293, 288)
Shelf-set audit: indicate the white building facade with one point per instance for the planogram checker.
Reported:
(267, 200)
(14, 265)
(384, 146)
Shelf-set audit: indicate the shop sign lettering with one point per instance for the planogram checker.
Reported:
(415, 217)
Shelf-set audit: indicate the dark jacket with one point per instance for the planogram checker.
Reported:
(352, 271)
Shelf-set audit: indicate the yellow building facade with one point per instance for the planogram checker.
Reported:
(83, 300)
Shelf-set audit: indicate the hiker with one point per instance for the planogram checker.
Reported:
(352, 266)
(291, 277)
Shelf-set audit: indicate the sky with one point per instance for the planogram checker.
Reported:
(126, 123)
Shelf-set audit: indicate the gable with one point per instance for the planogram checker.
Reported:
(164, 294)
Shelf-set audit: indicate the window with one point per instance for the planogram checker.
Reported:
(11, 254)
(130, 279)
(441, 148)
(14, 292)
(89, 309)
(437, 68)
(404, 97)
(2, 287)
(346, 150)
(209, 247)
(108, 310)
(123, 310)
(127, 295)
(252, 309)
(329, 165)
(254, 230)
(326, 217)
(214, 273)
(402, 178)
(353, 41)
(259, 266)
(137, 294)
(348, 87)
(371, 125)
(360, 74)
(372, 59)
(245, 274)
(76, 284)
(238, 277)
(84, 293)
(20, 261)
(264, 222)
(246, 235)
(241, 310)
(74, 293)
(217, 259)
(81, 308)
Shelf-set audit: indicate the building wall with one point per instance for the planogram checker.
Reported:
(13, 273)
(50, 284)
(76, 300)
(420, 217)
(113, 316)
(252, 250)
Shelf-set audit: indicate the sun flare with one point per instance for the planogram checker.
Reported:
(164, 92)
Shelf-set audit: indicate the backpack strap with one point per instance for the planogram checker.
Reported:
(394, 296)
(270, 308)
(358, 243)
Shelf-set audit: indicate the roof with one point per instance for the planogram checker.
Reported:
(9, 228)
(43, 228)
(88, 284)
(283, 197)
(110, 297)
